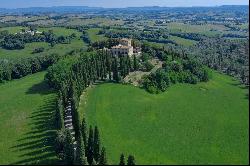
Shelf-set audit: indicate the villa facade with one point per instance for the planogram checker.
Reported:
(125, 48)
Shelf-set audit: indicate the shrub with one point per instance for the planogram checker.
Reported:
(148, 66)
(38, 50)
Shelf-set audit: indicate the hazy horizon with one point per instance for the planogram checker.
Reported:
(118, 3)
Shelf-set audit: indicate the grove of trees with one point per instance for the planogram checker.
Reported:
(183, 71)
(70, 76)
(18, 41)
(14, 69)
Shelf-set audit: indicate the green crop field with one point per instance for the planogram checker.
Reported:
(205, 123)
(26, 121)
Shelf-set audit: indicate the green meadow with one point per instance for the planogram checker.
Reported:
(26, 52)
(13, 30)
(93, 34)
(76, 43)
(60, 31)
(27, 121)
(182, 41)
(206, 29)
(205, 123)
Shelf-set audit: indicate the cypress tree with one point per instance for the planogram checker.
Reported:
(80, 152)
(131, 160)
(68, 148)
(104, 64)
(122, 160)
(115, 70)
(108, 64)
(59, 112)
(128, 64)
(136, 65)
(84, 133)
(122, 66)
(103, 157)
(94, 162)
(60, 143)
(90, 146)
(75, 102)
(96, 145)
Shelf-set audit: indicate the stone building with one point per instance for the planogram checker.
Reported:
(125, 48)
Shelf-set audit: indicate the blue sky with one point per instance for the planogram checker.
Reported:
(117, 3)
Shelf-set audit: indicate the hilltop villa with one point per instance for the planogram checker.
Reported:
(125, 48)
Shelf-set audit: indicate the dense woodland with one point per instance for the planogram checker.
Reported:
(184, 71)
(14, 69)
(177, 67)
(228, 56)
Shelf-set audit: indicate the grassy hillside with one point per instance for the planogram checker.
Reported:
(93, 34)
(205, 123)
(58, 48)
(26, 121)
(27, 51)
(182, 41)
(60, 31)
(13, 30)
(207, 29)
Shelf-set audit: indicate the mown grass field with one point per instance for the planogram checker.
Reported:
(205, 123)
(76, 43)
(27, 121)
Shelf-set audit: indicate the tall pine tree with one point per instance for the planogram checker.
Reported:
(80, 152)
(68, 148)
(84, 133)
(96, 145)
(131, 160)
(103, 157)
(115, 70)
(122, 160)
(90, 150)
(74, 102)
(136, 64)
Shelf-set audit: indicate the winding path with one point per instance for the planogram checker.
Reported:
(68, 124)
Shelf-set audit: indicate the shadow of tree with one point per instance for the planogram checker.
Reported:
(242, 86)
(247, 96)
(37, 145)
(238, 84)
(40, 88)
